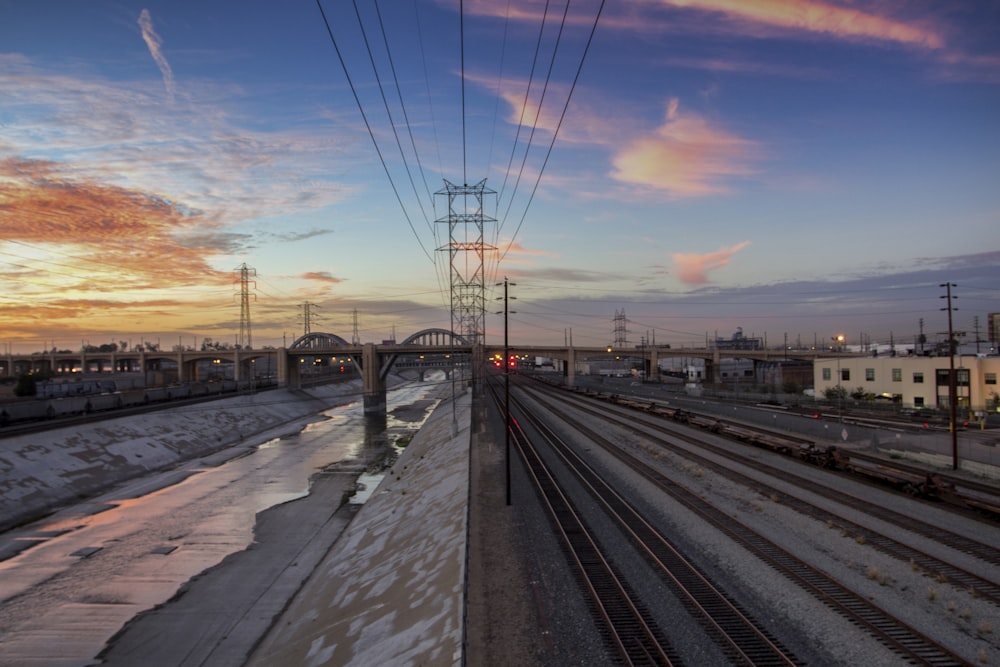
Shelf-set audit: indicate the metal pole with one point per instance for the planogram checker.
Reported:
(506, 391)
(952, 389)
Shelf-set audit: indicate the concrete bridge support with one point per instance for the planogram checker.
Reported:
(372, 380)
(569, 370)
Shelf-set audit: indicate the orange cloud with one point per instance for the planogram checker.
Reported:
(86, 236)
(322, 276)
(693, 269)
(686, 156)
(818, 17)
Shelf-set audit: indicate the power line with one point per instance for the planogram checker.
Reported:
(555, 134)
(371, 134)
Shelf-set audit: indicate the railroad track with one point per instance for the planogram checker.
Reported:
(741, 638)
(930, 565)
(627, 627)
(905, 641)
(932, 485)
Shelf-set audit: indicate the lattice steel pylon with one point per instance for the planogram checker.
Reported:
(621, 330)
(245, 340)
(466, 250)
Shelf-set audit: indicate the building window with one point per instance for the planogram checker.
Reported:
(962, 377)
(869, 375)
(991, 378)
(918, 378)
(918, 401)
(845, 374)
(897, 374)
(826, 375)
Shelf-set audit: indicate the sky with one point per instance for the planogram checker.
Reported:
(796, 170)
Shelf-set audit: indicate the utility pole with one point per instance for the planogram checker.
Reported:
(952, 389)
(245, 339)
(466, 248)
(307, 316)
(620, 331)
(506, 384)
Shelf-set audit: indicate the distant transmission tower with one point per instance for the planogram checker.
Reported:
(307, 317)
(245, 340)
(621, 331)
(355, 337)
(466, 249)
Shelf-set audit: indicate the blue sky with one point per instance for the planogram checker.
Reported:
(791, 168)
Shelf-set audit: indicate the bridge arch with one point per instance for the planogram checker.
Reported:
(434, 337)
(313, 341)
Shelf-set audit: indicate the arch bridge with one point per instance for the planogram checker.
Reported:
(428, 348)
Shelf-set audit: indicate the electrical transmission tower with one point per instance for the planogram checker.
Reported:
(307, 316)
(245, 340)
(355, 337)
(466, 249)
(621, 331)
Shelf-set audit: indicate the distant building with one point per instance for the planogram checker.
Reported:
(993, 327)
(739, 342)
(915, 381)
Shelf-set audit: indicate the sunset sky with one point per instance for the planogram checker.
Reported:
(792, 168)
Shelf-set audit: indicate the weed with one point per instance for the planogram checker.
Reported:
(985, 628)
(872, 572)
(913, 566)
(932, 593)
(965, 614)
(951, 606)
(860, 539)
(941, 578)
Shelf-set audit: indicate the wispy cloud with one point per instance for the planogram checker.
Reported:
(109, 236)
(836, 20)
(154, 43)
(514, 252)
(685, 157)
(322, 277)
(197, 153)
(693, 268)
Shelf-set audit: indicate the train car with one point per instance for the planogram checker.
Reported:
(29, 410)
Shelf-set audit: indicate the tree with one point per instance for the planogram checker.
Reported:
(835, 393)
(791, 387)
(25, 386)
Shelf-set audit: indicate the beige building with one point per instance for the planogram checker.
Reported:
(914, 381)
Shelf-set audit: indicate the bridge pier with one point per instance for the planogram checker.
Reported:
(569, 371)
(373, 383)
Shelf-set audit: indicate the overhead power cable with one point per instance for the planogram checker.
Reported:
(555, 134)
(371, 134)
(538, 113)
(461, 31)
(524, 104)
(385, 103)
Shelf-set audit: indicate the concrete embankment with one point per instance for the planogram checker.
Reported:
(42, 471)
(391, 590)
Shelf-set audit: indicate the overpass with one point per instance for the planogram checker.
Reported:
(289, 367)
